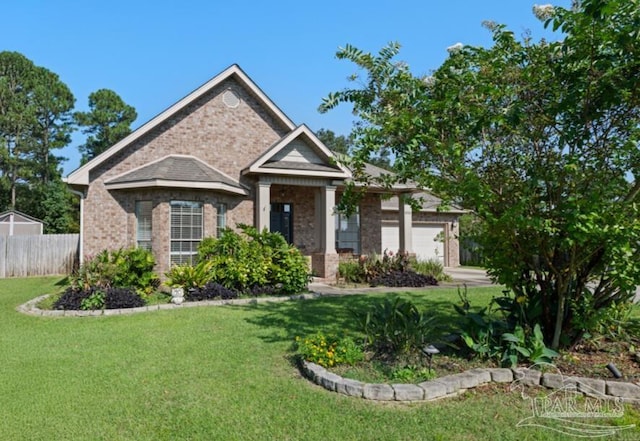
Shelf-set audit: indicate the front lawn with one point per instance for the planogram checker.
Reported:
(211, 373)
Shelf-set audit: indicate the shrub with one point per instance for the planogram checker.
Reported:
(374, 266)
(431, 267)
(613, 322)
(130, 268)
(393, 270)
(329, 350)
(94, 301)
(250, 259)
(395, 327)
(351, 271)
(71, 298)
(210, 291)
(189, 276)
(98, 298)
(501, 332)
(405, 278)
(411, 374)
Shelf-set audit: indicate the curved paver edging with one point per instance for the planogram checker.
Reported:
(31, 307)
(455, 384)
(320, 290)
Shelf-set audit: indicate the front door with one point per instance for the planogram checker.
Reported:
(282, 220)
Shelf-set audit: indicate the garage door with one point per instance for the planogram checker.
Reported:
(426, 238)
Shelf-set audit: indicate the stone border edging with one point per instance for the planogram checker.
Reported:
(30, 307)
(454, 384)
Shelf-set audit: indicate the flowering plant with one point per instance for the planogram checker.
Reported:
(329, 350)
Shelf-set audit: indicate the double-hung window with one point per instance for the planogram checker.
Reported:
(348, 232)
(186, 231)
(143, 224)
(221, 219)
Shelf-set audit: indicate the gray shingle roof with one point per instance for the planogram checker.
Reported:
(429, 203)
(291, 165)
(176, 168)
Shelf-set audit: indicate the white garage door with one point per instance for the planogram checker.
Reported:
(427, 240)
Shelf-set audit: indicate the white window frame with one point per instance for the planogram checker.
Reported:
(221, 218)
(186, 231)
(348, 231)
(144, 224)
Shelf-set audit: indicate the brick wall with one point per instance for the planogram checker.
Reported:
(228, 139)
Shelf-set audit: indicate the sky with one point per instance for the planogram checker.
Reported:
(153, 53)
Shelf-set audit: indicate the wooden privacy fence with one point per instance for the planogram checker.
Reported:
(43, 255)
(470, 253)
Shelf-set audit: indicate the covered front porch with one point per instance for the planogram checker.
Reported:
(304, 211)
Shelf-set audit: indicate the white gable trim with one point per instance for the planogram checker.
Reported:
(81, 175)
(257, 166)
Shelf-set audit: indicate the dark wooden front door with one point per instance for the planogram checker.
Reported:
(282, 220)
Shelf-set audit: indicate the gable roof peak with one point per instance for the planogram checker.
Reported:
(80, 176)
(286, 157)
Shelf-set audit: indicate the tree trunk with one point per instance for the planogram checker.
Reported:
(561, 292)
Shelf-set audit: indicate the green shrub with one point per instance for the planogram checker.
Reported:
(123, 268)
(374, 266)
(243, 261)
(395, 327)
(412, 373)
(613, 323)
(351, 271)
(93, 302)
(502, 331)
(387, 270)
(189, 276)
(329, 350)
(431, 267)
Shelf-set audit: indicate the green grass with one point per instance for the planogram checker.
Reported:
(214, 373)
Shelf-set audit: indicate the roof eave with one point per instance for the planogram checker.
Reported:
(338, 174)
(163, 183)
(80, 176)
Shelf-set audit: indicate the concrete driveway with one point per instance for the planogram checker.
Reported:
(468, 276)
(478, 277)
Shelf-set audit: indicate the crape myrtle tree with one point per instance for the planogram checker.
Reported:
(539, 139)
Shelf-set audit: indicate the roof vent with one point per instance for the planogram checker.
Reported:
(230, 99)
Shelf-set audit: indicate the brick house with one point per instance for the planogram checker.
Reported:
(224, 155)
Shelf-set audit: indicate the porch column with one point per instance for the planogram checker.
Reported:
(406, 224)
(328, 203)
(318, 221)
(263, 205)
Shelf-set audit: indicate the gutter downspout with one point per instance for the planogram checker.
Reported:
(82, 196)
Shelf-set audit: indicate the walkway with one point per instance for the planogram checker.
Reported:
(461, 276)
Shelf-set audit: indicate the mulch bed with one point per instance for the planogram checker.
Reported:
(581, 361)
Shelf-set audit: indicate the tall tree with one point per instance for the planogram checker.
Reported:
(539, 139)
(53, 103)
(16, 117)
(343, 145)
(35, 112)
(107, 122)
(336, 143)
